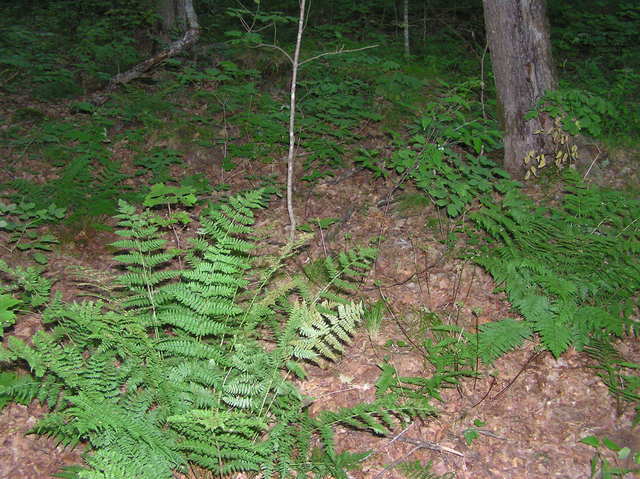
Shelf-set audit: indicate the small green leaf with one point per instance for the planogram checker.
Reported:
(470, 435)
(7, 303)
(40, 258)
(611, 445)
(590, 441)
(624, 453)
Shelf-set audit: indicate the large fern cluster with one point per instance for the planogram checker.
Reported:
(192, 365)
(572, 271)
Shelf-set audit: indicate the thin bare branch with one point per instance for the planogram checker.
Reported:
(276, 47)
(434, 446)
(338, 52)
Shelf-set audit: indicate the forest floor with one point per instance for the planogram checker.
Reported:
(533, 408)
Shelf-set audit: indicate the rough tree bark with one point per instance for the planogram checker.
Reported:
(518, 38)
(172, 16)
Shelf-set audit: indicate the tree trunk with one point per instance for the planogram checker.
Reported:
(291, 157)
(518, 37)
(405, 15)
(172, 17)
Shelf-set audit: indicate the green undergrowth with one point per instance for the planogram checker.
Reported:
(444, 151)
(190, 356)
(571, 270)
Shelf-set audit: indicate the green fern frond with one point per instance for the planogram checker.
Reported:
(197, 325)
(191, 349)
(367, 416)
(21, 388)
(322, 333)
(144, 278)
(34, 359)
(175, 370)
(417, 470)
(114, 464)
(569, 270)
(500, 337)
(146, 246)
(620, 375)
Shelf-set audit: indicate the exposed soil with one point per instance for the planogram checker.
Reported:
(535, 408)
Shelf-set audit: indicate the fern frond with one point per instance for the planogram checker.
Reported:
(374, 417)
(500, 337)
(193, 323)
(191, 349)
(322, 330)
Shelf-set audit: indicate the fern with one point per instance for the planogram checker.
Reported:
(572, 271)
(88, 182)
(417, 470)
(174, 372)
(320, 331)
(620, 375)
(500, 337)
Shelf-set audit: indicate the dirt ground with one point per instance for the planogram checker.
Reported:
(534, 408)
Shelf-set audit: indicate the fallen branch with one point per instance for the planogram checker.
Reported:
(189, 38)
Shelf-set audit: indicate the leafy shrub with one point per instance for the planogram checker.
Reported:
(451, 181)
(444, 157)
(579, 111)
(28, 290)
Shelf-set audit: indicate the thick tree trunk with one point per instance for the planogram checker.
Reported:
(518, 36)
(172, 17)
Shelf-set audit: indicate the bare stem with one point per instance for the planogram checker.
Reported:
(292, 123)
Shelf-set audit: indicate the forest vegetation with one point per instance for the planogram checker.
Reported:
(171, 282)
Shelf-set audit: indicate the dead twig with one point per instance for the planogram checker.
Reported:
(337, 52)
(484, 432)
(522, 369)
(434, 446)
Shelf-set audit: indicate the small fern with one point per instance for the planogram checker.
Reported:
(620, 375)
(500, 337)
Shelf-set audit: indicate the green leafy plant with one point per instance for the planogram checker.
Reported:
(471, 434)
(432, 157)
(451, 351)
(578, 111)
(22, 222)
(418, 470)
(174, 373)
(571, 270)
(27, 290)
(88, 181)
(157, 162)
(373, 317)
(601, 466)
(321, 223)
(620, 376)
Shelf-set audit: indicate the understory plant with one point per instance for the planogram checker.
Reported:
(572, 271)
(191, 365)
(445, 156)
